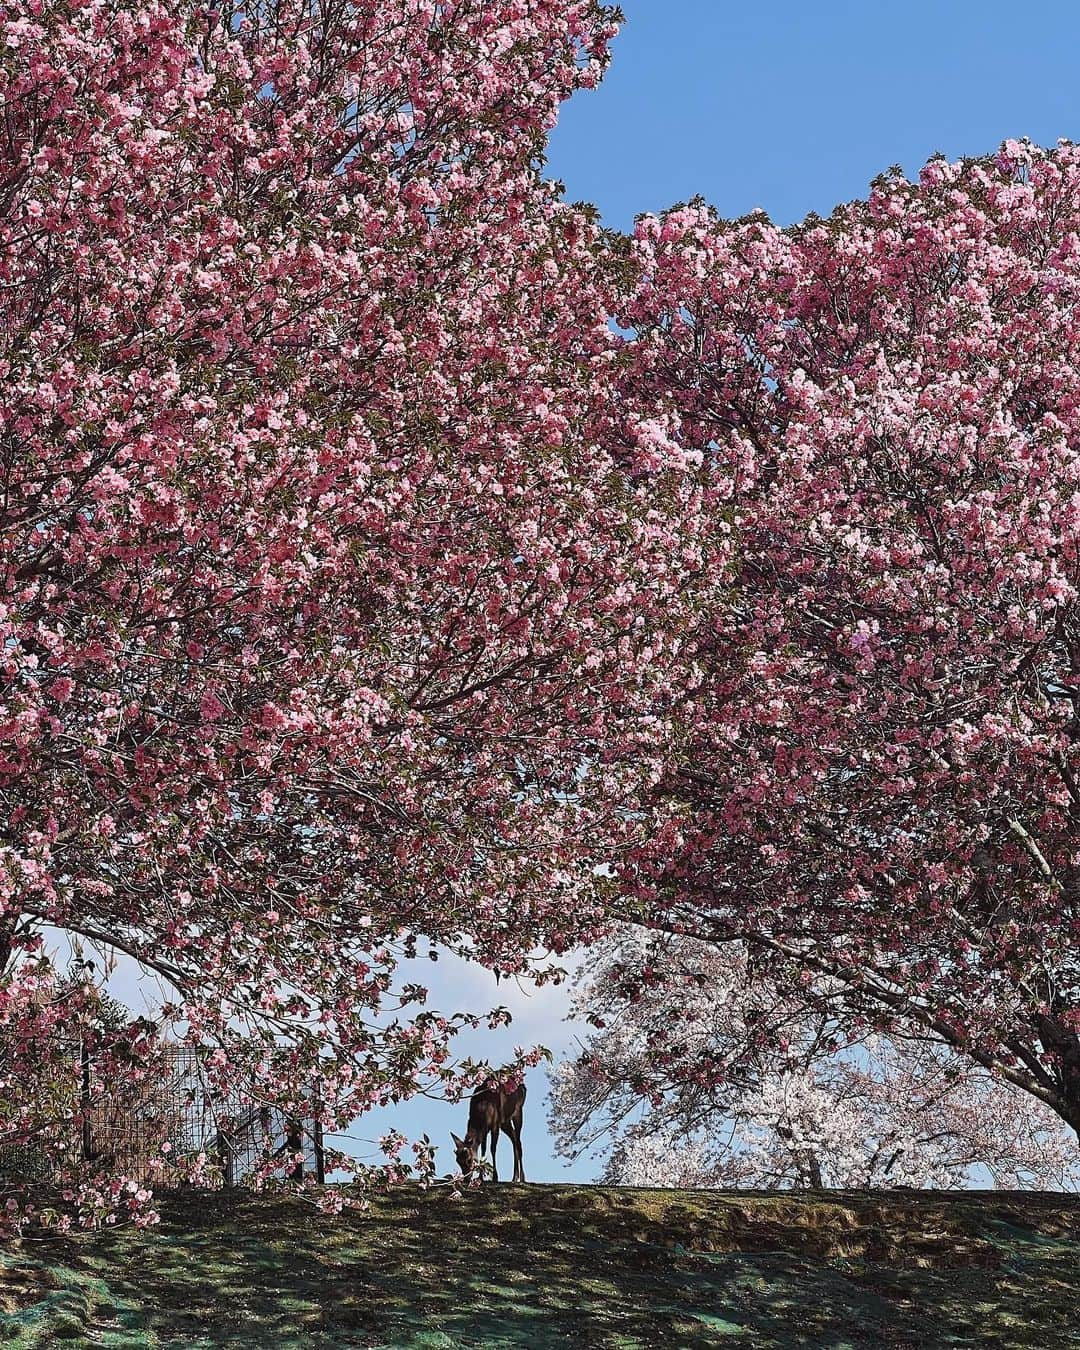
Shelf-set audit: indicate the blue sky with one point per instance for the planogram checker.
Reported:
(791, 107)
(795, 106)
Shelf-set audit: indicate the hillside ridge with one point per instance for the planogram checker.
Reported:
(548, 1266)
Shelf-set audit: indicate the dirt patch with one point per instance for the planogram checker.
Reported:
(21, 1286)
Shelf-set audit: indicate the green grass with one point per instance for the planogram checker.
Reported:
(545, 1266)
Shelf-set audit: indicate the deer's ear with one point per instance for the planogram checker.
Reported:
(458, 1143)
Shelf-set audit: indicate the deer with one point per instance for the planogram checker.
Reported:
(491, 1110)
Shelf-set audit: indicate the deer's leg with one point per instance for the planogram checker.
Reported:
(494, 1142)
(514, 1130)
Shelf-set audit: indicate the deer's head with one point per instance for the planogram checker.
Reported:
(465, 1153)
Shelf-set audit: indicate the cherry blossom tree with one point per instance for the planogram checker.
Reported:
(879, 788)
(704, 1072)
(329, 558)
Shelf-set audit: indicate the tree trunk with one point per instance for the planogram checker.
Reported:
(8, 925)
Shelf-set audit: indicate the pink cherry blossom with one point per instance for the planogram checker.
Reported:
(327, 569)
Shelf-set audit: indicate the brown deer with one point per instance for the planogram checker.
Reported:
(491, 1110)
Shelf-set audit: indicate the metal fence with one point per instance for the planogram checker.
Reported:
(124, 1132)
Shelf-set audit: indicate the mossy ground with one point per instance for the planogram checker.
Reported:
(547, 1266)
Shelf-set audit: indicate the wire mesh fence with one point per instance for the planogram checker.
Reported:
(178, 1107)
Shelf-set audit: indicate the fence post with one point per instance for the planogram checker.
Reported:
(320, 1155)
(294, 1140)
(227, 1159)
(84, 1096)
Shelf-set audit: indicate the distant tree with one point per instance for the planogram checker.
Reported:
(879, 786)
(704, 1072)
(327, 564)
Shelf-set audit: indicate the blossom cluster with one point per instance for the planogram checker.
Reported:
(325, 567)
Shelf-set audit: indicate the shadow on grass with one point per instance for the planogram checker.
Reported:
(542, 1267)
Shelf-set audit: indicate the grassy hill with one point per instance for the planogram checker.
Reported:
(546, 1266)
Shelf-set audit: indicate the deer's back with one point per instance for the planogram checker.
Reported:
(492, 1106)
